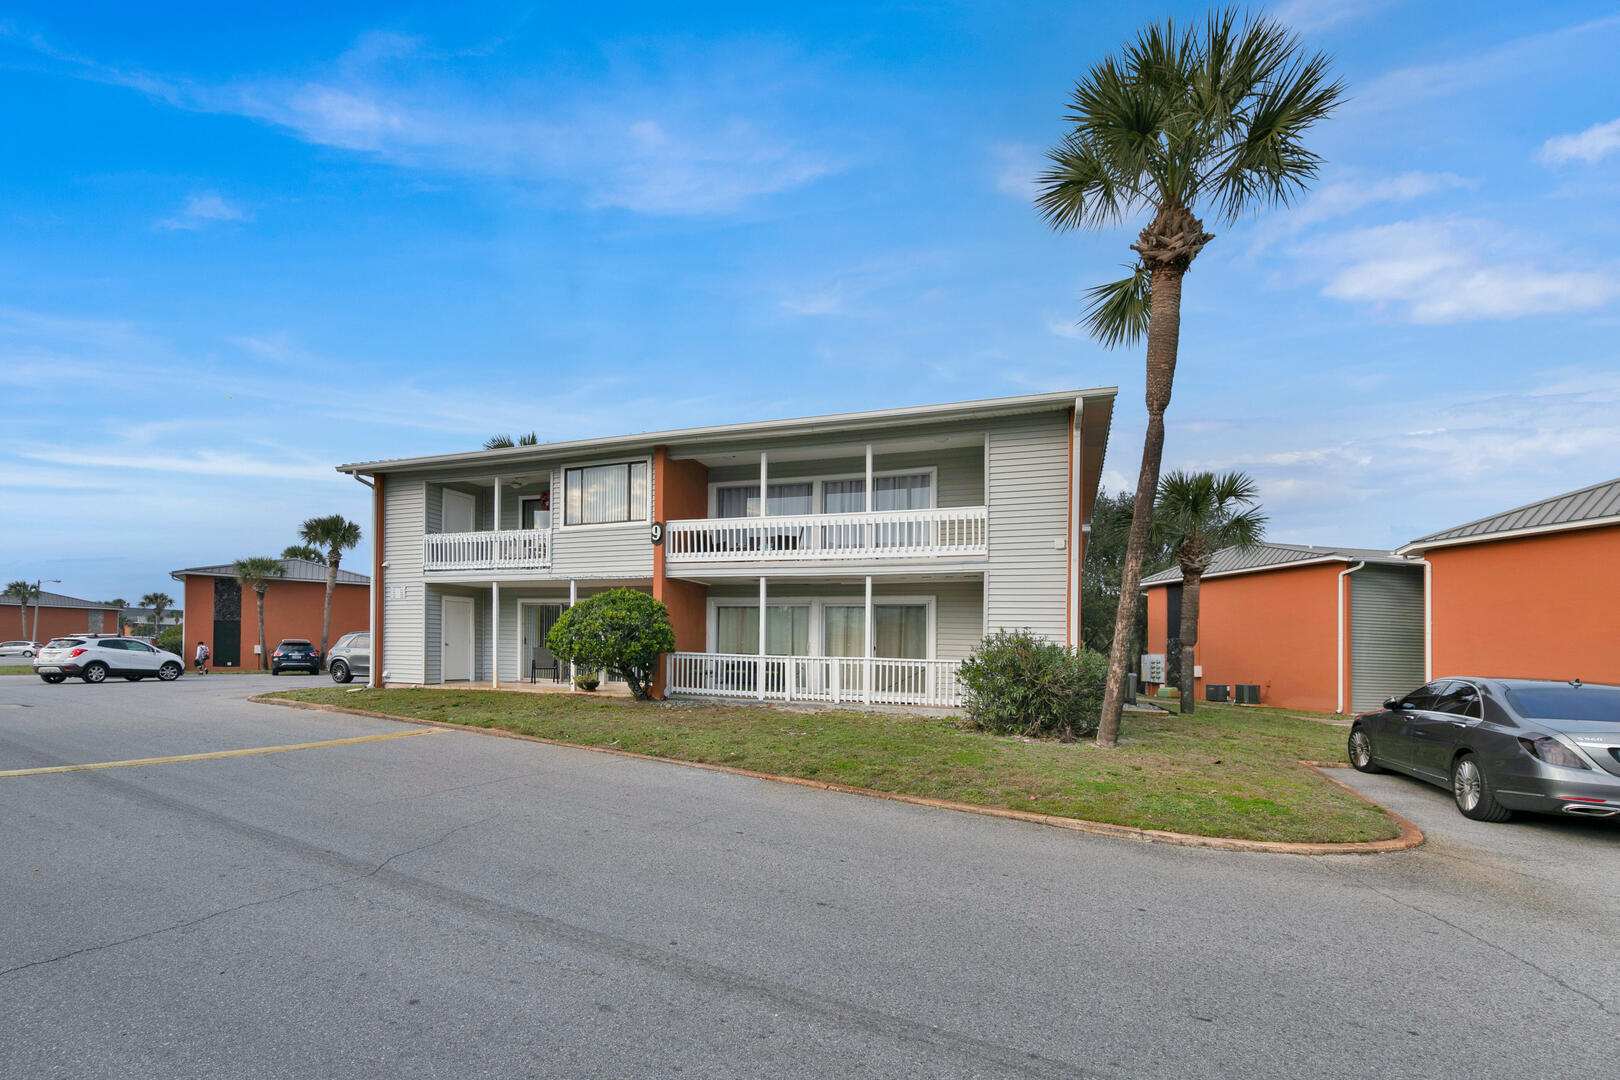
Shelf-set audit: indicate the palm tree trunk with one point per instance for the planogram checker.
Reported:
(1164, 337)
(1189, 639)
(264, 646)
(35, 635)
(326, 612)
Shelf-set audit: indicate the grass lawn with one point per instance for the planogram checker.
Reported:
(16, 669)
(1226, 771)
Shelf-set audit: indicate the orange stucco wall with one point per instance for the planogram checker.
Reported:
(680, 491)
(1541, 607)
(54, 622)
(292, 609)
(1277, 628)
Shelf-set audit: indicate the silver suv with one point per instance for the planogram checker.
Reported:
(93, 658)
(351, 656)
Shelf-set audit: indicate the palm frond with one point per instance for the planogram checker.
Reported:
(1117, 312)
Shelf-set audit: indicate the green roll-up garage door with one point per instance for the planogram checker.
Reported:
(1386, 633)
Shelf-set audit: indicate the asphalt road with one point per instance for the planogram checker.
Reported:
(454, 905)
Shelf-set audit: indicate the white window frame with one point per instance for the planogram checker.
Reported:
(559, 518)
(816, 604)
(816, 481)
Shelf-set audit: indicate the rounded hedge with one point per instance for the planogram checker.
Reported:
(1018, 683)
(620, 631)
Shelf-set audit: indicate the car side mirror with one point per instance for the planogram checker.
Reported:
(1394, 704)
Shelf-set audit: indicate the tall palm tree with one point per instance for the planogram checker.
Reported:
(1186, 117)
(22, 592)
(159, 602)
(303, 551)
(1197, 515)
(256, 573)
(336, 534)
(502, 442)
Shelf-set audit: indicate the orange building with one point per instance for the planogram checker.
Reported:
(1526, 593)
(225, 616)
(58, 615)
(1321, 629)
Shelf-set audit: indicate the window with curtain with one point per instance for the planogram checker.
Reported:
(900, 630)
(843, 496)
(742, 500)
(787, 629)
(913, 492)
(604, 494)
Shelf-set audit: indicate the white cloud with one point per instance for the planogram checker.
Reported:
(1308, 16)
(1016, 166)
(1456, 271)
(1065, 328)
(1339, 198)
(1593, 144)
(204, 208)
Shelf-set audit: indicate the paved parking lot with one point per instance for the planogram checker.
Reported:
(458, 905)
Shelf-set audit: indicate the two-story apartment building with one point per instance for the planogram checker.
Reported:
(854, 557)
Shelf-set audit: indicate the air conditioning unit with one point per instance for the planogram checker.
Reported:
(1248, 694)
(1217, 692)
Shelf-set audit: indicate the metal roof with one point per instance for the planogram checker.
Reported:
(831, 423)
(1269, 556)
(291, 570)
(1595, 505)
(57, 600)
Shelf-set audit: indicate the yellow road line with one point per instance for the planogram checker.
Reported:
(217, 754)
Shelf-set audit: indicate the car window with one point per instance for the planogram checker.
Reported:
(64, 642)
(1426, 696)
(1460, 699)
(1588, 703)
(112, 644)
(138, 646)
(361, 641)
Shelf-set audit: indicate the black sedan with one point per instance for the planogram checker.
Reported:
(1502, 745)
(295, 654)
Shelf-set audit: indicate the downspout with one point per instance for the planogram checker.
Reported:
(1428, 619)
(375, 659)
(1343, 585)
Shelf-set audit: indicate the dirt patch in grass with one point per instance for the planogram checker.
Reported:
(1224, 771)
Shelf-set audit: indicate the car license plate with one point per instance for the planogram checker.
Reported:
(49, 670)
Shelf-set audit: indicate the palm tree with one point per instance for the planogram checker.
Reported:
(22, 592)
(336, 534)
(303, 551)
(502, 442)
(1197, 515)
(1185, 117)
(159, 602)
(255, 573)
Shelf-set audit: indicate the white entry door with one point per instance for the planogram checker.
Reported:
(460, 509)
(456, 627)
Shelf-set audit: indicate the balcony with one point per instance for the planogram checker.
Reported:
(506, 549)
(893, 534)
(833, 679)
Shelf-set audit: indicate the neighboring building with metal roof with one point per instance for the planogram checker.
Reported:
(58, 615)
(222, 614)
(1522, 593)
(1328, 629)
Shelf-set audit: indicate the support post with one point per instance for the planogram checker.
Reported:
(573, 598)
(496, 526)
(762, 615)
(495, 623)
(868, 540)
(764, 484)
(866, 653)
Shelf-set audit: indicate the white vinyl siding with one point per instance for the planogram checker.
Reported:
(404, 616)
(1028, 512)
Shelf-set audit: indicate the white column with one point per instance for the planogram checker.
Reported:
(867, 537)
(762, 616)
(573, 598)
(866, 681)
(764, 484)
(497, 525)
(495, 620)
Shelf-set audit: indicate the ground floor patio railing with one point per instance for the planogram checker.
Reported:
(832, 679)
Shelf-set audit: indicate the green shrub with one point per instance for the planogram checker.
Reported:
(170, 639)
(1018, 683)
(620, 631)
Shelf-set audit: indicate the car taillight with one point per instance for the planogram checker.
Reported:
(75, 652)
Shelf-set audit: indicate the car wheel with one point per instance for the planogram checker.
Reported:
(340, 672)
(1473, 792)
(169, 672)
(95, 672)
(1360, 748)
(53, 679)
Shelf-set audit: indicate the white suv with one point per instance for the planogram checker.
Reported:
(94, 658)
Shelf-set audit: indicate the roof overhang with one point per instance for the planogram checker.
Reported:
(1296, 564)
(832, 424)
(1420, 546)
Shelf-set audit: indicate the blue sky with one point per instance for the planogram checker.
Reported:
(239, 249)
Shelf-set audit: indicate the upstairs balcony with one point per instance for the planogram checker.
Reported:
(952, 532)
(502, 549)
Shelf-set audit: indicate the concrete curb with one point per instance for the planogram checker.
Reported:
(1410, 835)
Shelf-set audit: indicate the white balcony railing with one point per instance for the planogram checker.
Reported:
(507, 549)
(833, 679)
(887, 534)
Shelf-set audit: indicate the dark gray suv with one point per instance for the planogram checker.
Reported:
(1502, 745)
(351, 656)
